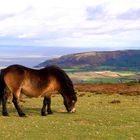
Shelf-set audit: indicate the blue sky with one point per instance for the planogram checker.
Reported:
(78, 23)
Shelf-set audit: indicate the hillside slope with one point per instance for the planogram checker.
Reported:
(106, 60)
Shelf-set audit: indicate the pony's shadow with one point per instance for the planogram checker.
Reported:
(34, 111)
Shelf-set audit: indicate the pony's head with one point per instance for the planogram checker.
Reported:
(66, 88)
(69, 101)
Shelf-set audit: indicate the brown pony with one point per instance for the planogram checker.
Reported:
(17, 79)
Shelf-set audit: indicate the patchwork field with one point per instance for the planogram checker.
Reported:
(98, 116)
(103, 76)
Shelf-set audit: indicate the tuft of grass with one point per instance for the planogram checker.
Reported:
(96, 118)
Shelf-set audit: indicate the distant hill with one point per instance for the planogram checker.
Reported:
(103, 60)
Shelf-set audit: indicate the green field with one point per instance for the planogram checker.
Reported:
(96, 119)
(101, 81)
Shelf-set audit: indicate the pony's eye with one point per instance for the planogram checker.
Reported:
(73, 101)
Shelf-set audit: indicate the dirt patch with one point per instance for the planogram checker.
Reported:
(115, 102)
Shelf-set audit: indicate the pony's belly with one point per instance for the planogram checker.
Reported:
(30, 89)
(46, 90)
(36, 93)
(39, 93)
(30, 93)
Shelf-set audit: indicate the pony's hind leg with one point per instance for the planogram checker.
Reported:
(17, 106)
(46, 101)
(4, 105)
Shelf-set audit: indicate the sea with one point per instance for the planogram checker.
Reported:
(31, 56)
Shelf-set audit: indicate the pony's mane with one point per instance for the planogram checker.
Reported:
(60, 74)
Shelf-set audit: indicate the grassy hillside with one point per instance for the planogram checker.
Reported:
(98, 117)
(106, 60)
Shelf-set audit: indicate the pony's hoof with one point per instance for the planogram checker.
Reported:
(43, 114)
(22, 115)
(5, 114)
(50, 112)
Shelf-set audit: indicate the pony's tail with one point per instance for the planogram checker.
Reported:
(2, 86)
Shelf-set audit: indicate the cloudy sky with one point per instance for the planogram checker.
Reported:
(71, 23)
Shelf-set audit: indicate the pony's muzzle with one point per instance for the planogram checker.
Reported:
(73, 110)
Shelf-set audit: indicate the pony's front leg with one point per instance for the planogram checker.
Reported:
(17, 106)
(49, 105)
(46, 101)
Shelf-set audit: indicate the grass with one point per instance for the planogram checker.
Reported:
(126, 73)
(99, 80)
(74, 69)
(96, 118)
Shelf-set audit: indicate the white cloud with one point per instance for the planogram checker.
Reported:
(69, 22)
